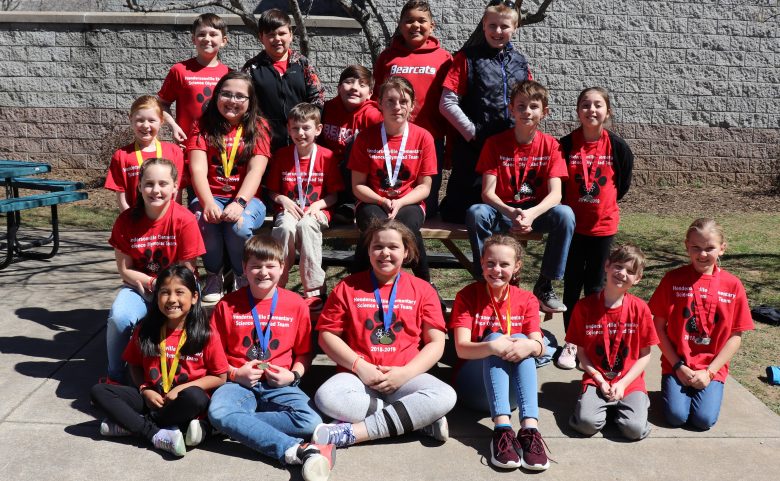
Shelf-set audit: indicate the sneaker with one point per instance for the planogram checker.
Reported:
(110, 429)
(212, 287)
(240, 281)
(548, 300)
(568, 357)
(438, 430)
(502, 449)
(196, 432)
(340, 435)
(534, 455)
(318, 460)
(170, 440)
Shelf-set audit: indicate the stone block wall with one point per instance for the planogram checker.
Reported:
(695, 84)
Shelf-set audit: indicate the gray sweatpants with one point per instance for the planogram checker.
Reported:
(416, 404)
(590, 414)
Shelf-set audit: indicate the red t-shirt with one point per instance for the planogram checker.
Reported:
(190, 85)
(325, 177)
(457, 78)
(153, 245)
(215, 175)
(586, 330)
(425, 68)
(290, 328)
(340, 126)
(673, 300)
(210, 361)
(123, 170)
(473, 310)
(368, 157)
(352, 313)
(542, 159)
(595, 205)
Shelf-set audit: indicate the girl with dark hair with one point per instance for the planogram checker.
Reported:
(175, 360)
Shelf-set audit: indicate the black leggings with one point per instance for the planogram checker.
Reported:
(584, 268)
(126, 406)
(411, 216)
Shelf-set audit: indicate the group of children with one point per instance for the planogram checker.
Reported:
(382, 326)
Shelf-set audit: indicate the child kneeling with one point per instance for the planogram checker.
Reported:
(614, 331)
(261, 405)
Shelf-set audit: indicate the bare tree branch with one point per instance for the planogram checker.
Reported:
(363, 17)
(233, 6)
(300, 26)
(537, 17)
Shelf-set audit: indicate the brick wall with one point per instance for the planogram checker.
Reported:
(695, 84)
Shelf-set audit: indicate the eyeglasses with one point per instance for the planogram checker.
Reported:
(508, 3)
(235, 97)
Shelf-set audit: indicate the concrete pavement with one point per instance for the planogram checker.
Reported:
(52, 349)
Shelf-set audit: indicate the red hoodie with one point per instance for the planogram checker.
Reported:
(425, 68)
(339, 126)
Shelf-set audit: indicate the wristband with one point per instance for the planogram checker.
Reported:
(678, 365)
(296, 380)
(240, 201)
(354, 364)
(710, 374)
(541, 347)
(149, 285)
(143, 387)
(232, 374)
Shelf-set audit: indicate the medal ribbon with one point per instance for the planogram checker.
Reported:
(612, 349)
(705, 311)
(299, 176)
(168, 376)
(263, 335)
(508, 308)
(139, 156)
(227, 163)
(528, 161)
(392, 173)
(387, 316)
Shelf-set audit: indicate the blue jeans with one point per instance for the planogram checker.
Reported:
(233, 235)
(128, 308)
(269, 420)
(483, 220)
(699, 408)
(497, 375)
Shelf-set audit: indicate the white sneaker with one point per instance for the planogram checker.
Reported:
(438, 430)
(196, 432)
(170, 440)
(110, 429)
(212, 287)
(568, 357)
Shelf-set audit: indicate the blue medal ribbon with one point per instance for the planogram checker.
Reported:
(263, 335)
(387, 316)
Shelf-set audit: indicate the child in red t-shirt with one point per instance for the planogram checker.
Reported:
(417, 56)
(343, 116)
(700, 312)
(170, 388)
(522, 173)
(147, 238)
(266, 334)
(388, 350)
(594, 187)
(613, 331)
(392, 164)
(146, 116)
(303, 181)
(496, 328)
(190, 84)
(228, 154)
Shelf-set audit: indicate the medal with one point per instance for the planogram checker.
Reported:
(227, 163)
(702, 341)
(611, 347)
(518, 197)
(263, 335)
(298, 175)
(387, 316)
(168, 376)
(392, 172)
(262, 365)
(523, 189)
(139, 155)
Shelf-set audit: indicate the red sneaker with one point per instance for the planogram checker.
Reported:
(534, 455)
(502, 449)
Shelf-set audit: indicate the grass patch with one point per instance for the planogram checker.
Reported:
(752, 255)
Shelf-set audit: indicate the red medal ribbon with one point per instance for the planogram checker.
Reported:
(706, 310)
(611, 349)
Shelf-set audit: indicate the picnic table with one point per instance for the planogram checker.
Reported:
(14, 175)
